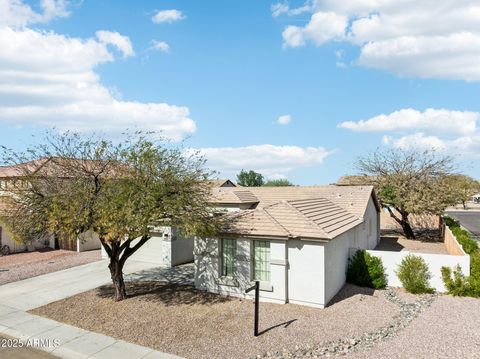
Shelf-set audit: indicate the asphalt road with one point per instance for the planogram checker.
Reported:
(469, 220)
(21, 353)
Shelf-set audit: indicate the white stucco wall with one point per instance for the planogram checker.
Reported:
(88, 241)
(306, 274)
(391, 261)
(208, 269)
(181, 249)
(7, 239)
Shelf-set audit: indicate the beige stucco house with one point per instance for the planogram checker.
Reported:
(294, 240)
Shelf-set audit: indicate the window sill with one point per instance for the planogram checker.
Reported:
(228, 281)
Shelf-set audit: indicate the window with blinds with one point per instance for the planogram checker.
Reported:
(261, 261)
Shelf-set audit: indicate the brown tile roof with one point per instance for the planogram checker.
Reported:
(320, 212)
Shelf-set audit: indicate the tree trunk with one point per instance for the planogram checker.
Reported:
(116, 271)
(407, 228)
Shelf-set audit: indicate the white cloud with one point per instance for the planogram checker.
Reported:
(272, 161)
(284, 120)
(168, 16)
(434, 120)
(17, 14)
(283, 8)
(161, 46)
(119, 41)
(48, 79)
(408, 38)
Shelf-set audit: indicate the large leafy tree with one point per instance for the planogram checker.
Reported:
(408, 182)
(120, 190)
(461, 188)
(250, 179)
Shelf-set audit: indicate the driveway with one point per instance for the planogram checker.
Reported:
(469, 220)
(38, 291)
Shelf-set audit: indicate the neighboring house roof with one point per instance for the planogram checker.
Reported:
(317, 212)
(221, 183)
(232, 195)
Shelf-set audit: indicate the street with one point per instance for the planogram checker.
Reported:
(469, 220)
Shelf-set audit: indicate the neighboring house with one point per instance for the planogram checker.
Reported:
(294, 240)
(12, 178)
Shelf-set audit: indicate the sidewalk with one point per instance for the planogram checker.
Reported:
(63, 340)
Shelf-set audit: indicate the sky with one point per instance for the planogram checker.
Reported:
(296, 90)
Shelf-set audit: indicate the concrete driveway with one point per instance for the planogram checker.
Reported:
(37, 291)
(468, 219)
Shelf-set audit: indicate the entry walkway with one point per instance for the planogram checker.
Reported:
(63, 340)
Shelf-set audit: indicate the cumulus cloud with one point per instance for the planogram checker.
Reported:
(408, 38)
(437, 120)
(160, 46)
(439, 129)
(168, 16)
(49, 79)
(270, 160)
(284, 120)
(17, 14)
(121, 42)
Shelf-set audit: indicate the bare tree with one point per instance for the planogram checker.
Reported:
(408, 182)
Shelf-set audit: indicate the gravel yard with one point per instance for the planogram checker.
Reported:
(181, 320)
(18, 266)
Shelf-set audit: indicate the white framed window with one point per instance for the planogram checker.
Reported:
(261, 261)
(228, 253)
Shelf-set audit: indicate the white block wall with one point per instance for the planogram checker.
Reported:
(391, 261)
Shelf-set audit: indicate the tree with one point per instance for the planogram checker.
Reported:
(278, 183)
(120, 190)
(408, 182)
(250, 179)
(461, 188)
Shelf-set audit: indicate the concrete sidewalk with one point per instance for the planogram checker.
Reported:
(63, 340)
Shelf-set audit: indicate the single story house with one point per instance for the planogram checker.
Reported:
(294, 240)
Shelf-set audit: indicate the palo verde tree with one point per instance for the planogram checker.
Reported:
(408, 182)
(119, 190)
(250, 179)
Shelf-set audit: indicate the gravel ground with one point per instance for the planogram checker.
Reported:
(398, 243)
(20, 266)
(181, 320)
(448, 329)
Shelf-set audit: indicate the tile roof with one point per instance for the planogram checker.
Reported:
(320, 212)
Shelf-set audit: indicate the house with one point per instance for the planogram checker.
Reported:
(12, 178)
(294, 240)
(167, 247)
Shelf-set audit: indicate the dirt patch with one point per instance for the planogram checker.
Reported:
(18, 266)
(396, 242)
(181, 320)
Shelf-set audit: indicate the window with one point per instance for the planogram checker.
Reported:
(261, 261)
(229, 251)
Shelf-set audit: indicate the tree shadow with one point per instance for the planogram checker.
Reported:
(284, 325)
(389, 243)
(168, 294)
(349, 291)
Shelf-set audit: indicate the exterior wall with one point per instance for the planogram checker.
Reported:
(453, 247)
(88, 241)
(208, 269)
(181, 249)
(306, 274)
(391, 261)
(7, 239)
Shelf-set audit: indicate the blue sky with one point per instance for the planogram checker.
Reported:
(218, 75)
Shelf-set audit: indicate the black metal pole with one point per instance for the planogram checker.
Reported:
(257, 306)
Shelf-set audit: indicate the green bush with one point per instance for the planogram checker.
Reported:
(414, 275)
(459, 284)
(366, 270)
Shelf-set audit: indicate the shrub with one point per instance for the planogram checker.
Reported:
(459, 285)
(366, 270)
(414, 275)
